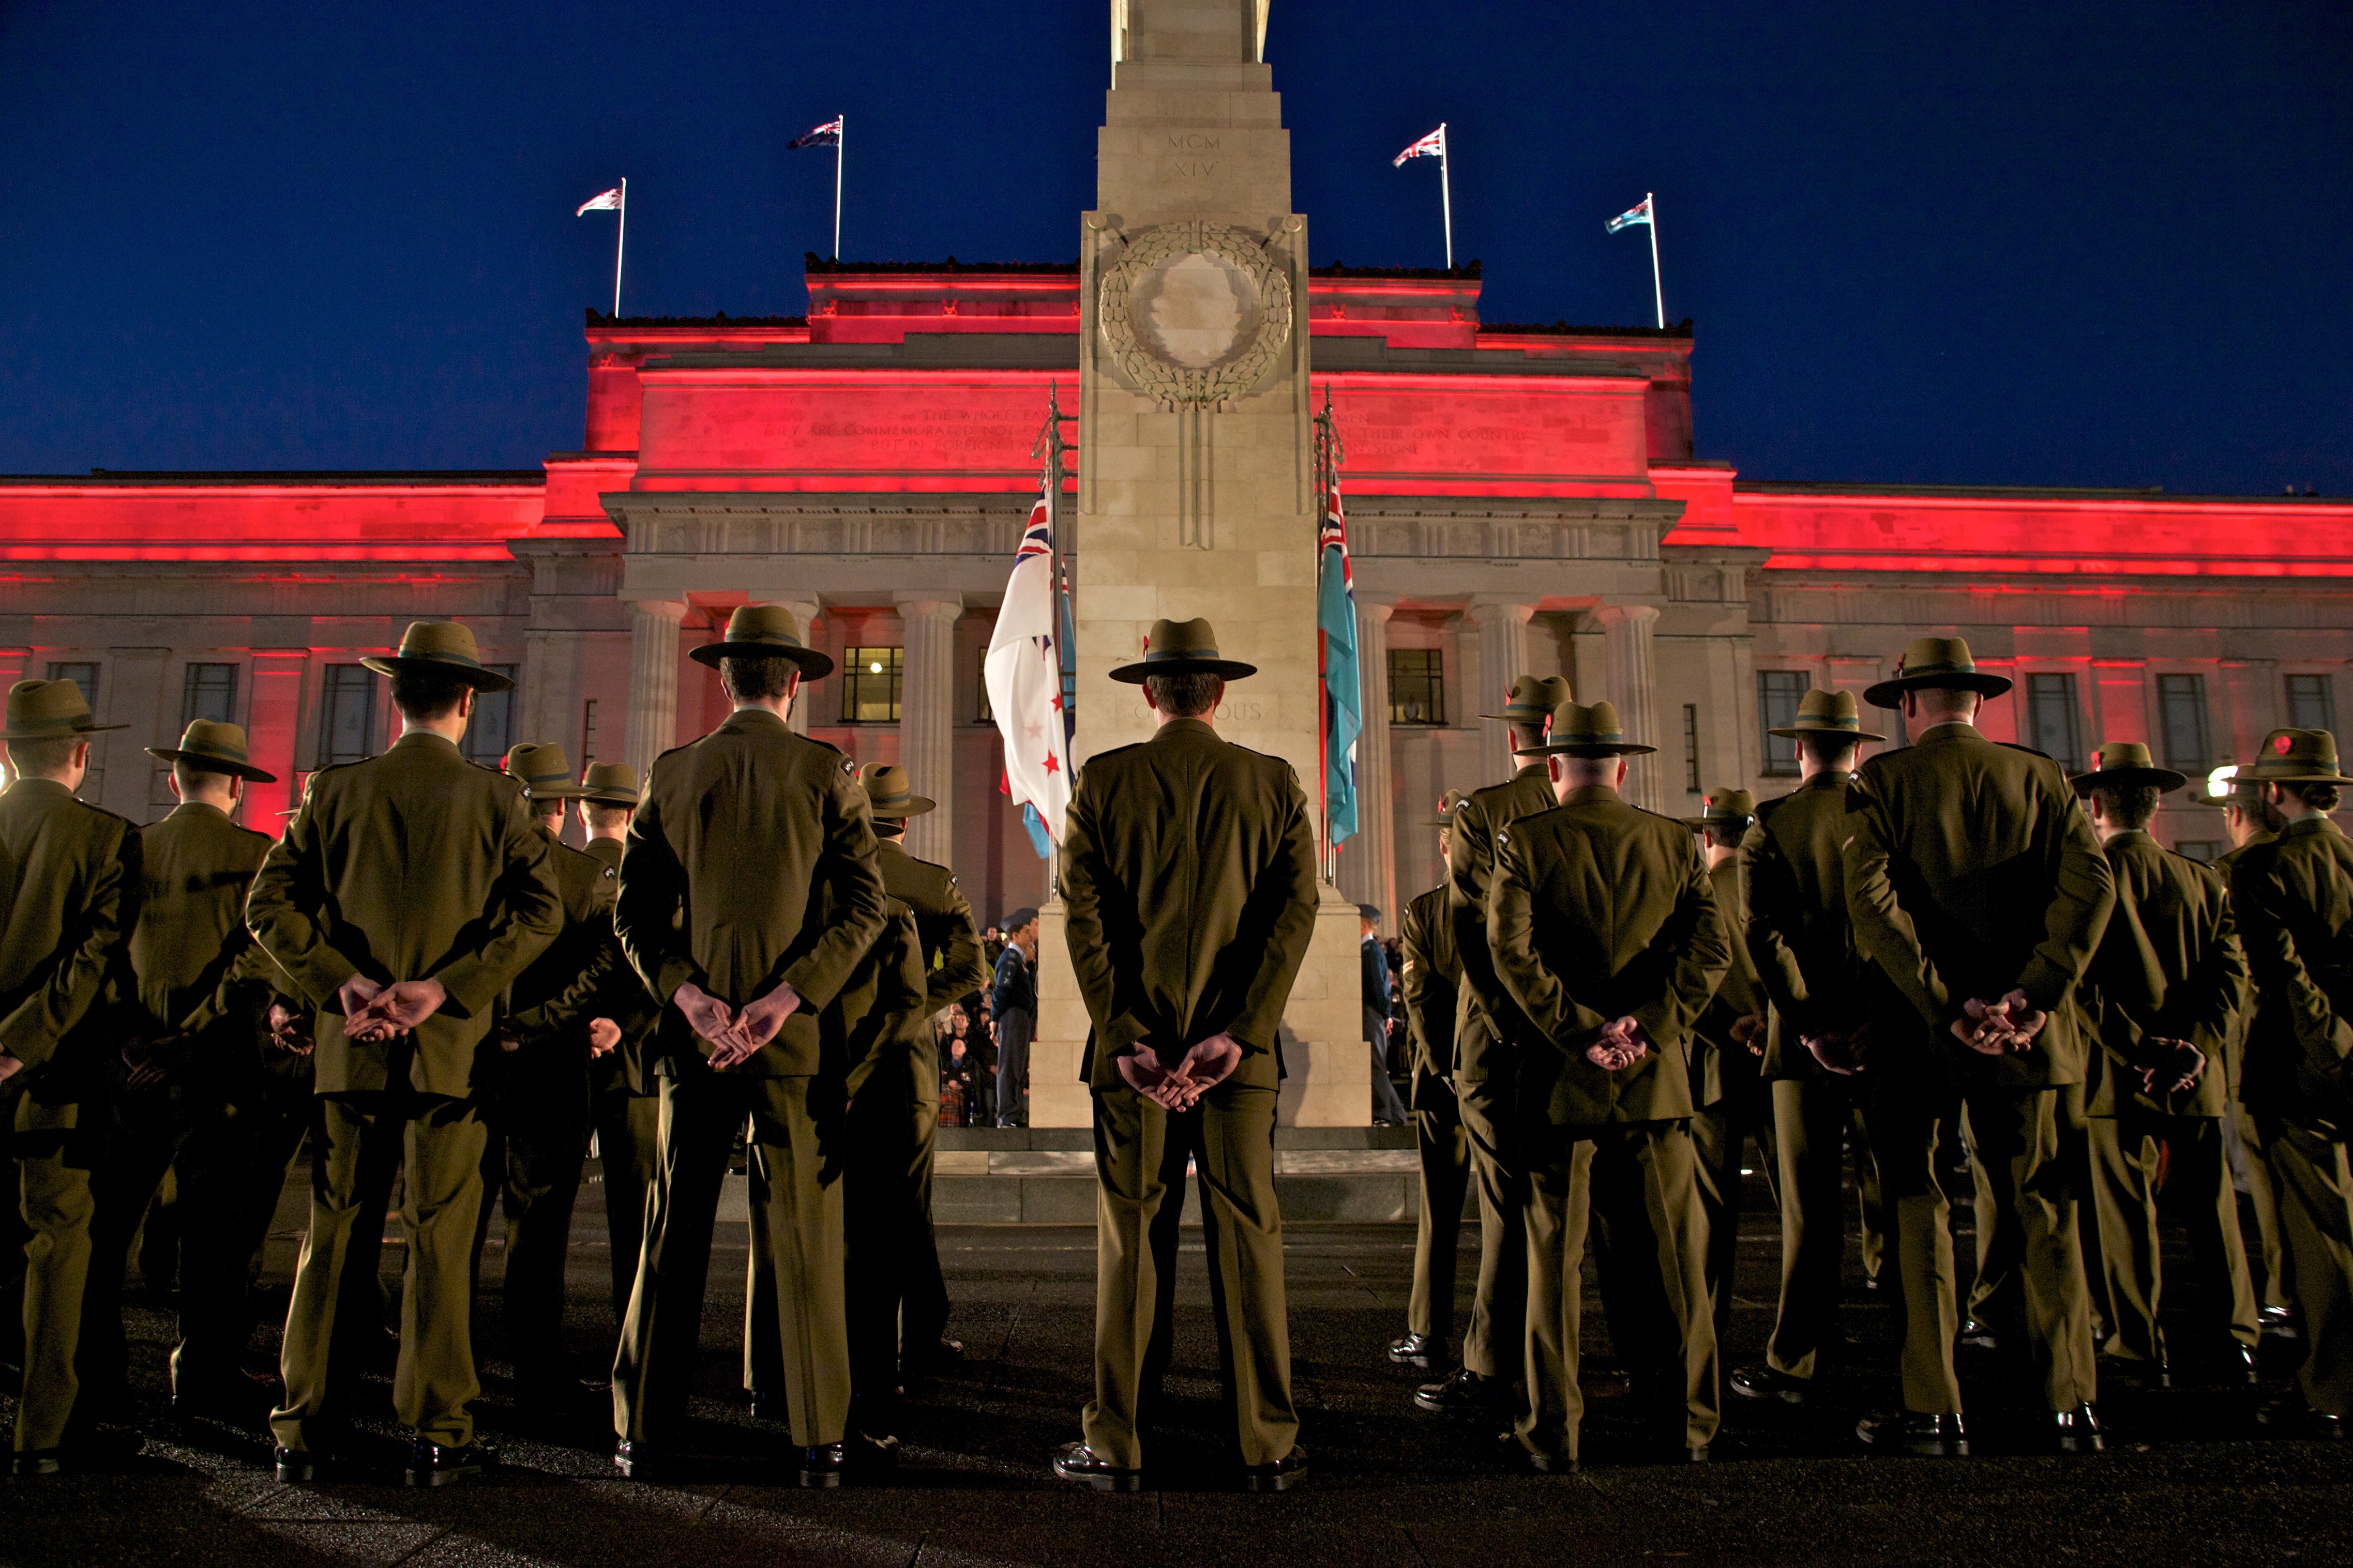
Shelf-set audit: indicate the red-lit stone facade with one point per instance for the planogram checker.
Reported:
(1521, 500)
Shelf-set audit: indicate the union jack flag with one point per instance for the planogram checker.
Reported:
(1430, 146)
(826, 135)
(1038, 538)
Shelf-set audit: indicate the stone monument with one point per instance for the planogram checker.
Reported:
(1195, 485)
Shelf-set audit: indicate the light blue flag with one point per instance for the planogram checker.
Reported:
(1344, 702)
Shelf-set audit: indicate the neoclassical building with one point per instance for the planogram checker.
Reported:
(1521, 500)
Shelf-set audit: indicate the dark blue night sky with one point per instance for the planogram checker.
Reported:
(2051, 243)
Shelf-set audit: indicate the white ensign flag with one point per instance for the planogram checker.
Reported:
(1023, 673)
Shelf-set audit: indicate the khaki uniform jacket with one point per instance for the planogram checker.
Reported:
(751, 864)
(881, 1007)
(69, 887)
(621, 996)
(2170, 965)
(1800, 937)
(198, 970)
(2293, 899)
(551, 1000)
(2243, 1025)
(1432, 985)
(1972, 872)
(416, 865)
(1721, 1065)
(1190, 873)
(1599, 910)
(1489, 1015)
(947, 937)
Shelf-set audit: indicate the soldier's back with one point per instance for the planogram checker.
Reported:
(196, 868)
(58, 848)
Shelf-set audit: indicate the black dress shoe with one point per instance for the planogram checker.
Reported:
(2289, 1416)
(1518, 1456)
(93, 1450)
(2238, 1365)
(434, 1465)
(637, 1461)
(1077, 1462)
(2075, 1431)
(821, 1467)
(36, 1462)
(2133, 1372)
(1980, 1335)
(235, 1395)
(1910, 1432)
(769, 1407)
(1464, 1392)
(2280, 1322)
(943, 1355)
(865, 1456)
(1764, 1383)
(1874, 1284)
(1414, 1349)
(296, 1465)
(1279, 1476)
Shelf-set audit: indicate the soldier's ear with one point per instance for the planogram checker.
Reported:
(1621, 772)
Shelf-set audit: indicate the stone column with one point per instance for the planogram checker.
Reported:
(1503, 659)
(805, 615)
(927, 716)
(1369, 861)
(653, 681)
(136, 696)
(1634, 691)
(273, 724)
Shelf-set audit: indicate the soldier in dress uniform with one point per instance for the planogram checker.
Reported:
(409, 893)
(206, 1096)
(1603, 928)
(537, 1109)
(2250, 820)
(749, 896)
(1483, 1065)
(2294, 899)
(66, 911)
(1432, 985)
(1729, 1096)
(1977, 887)
(1187, 929)
(1802, 943)
(2164, 992)
(625, 1105)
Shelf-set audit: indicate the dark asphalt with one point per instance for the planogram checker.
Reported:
(2185, 1479)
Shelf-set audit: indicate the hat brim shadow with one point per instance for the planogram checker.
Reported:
(815, 665)
(59, 735)
(2299, 778)
(594, 798)
(1889, 693)
(1223, 668)
(1583, 749)
(1799, 731)
(2163, 778)
(916, 806)
(212, 765)
(473, 674)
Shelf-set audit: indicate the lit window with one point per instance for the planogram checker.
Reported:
(2181, 714)
(2310, 704)
(2051, 718)
(492, 729)
(1691, 748)
(870, 685)
(588, 731)
(209, 691)
(82, 675)
(347, 722)
(1417, 685)
(1778, 694)
(2205, 851)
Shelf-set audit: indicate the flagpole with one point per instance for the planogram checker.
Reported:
(1658, 293)
(620, 237)
(1446, 195)
(840, 139)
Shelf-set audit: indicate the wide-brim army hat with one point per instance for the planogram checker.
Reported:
(1533, 699)
(50, 711)
(891, 792)
(214, 747)
(1943, 662)
(1581, 732)
(544, 771)
(1181, 648)
(2125, 762)
(765, 631)
(1823, 711)
(1724, 809)
(609, 783)
(444, 647)
(2289, 756)
(1448, 805)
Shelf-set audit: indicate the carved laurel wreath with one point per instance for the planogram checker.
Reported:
(1175, 385)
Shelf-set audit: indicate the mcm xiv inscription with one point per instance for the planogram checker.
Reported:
(1192, 142)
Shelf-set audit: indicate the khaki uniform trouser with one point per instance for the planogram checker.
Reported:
(2124, 1155)
(438, 1142)
(535, 1152)
(1810, 1117)
(2251, 1169)
(1141, 1152)
(2017, 1136)
(796, 1151)
(51, 1156)
(1444, 1150)
(1492, 1345)
(628, 1154)
(1634, 1184)
(2316, 1205)
(1719, 1134)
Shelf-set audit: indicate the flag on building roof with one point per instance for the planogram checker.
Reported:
(1639, 213)
(602, 202)
(826, 135)
(1023, 671)
(1430, 146)
(1344, 702)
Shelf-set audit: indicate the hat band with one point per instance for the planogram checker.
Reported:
(439, 656)
(70, 726)
(765, 639)
(1602, 738)
(1928, 671)
(545, 778)
(899, 799)
(216, 753)
(1178, 653)
(1814, 721)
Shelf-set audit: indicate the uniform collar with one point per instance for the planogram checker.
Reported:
(613, 853)
(1534, 768)
(427, 738)
(745, 719)
(2131, 837)
(2317, 822)
(1950, 730)
(893, 845)
(40, 787)
(1187, 727)
(196, 808)
(1829, 778)
(1584, 794)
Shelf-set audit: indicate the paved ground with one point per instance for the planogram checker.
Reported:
(2185, 1481)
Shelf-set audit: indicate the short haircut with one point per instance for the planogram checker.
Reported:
(2319, 797)
(2127, 805)
(1184, 695)
(1831, 750)
(426, 694)
(42, 759)
(543, 809)
(754, 677)
(1526, 737)
(602, 818)
(1729, 835)
(195, 776)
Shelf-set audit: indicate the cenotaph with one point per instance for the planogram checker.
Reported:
(1196, 492)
